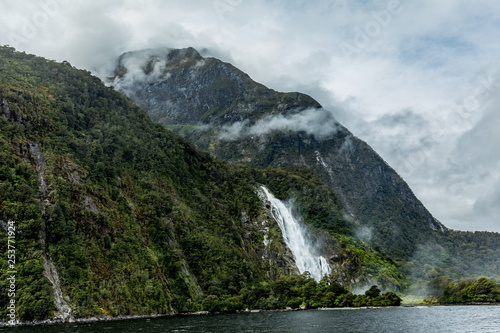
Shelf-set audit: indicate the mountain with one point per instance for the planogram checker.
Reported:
(107, 213)
(170, 82)
(104, 212)
(223, 111)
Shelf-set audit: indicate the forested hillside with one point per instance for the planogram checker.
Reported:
(116, 215)
(222, 110)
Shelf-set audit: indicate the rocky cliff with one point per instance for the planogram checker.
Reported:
(223, 111)
(116, 215)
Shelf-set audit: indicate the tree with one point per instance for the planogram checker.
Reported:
(373, 292)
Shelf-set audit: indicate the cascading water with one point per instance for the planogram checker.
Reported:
(295, 239)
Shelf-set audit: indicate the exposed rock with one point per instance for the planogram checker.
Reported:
(187, 90)
(89, 205)
(50, 272)
(190, 281)
(272, 250)
(6, 109)
(63, 309)
(39, 160)
(71, 171)
(11, 113)
(4, 225)
(174, 81)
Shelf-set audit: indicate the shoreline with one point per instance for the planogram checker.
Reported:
(39, 322)
(201, 313)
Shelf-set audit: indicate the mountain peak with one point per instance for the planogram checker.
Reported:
(166, 82)
(153, 61)
(269, 128)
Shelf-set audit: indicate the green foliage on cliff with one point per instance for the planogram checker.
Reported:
(315, 201)
(299, 291)
(386, 214)
(135, 218)
(452, 256)
(199, 97)
(470, 291)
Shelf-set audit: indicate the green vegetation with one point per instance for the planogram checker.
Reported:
(297, 291)
(320, 206)
(388, 231)
(135, 218)
(452, 256)
(470, 291)
(315, 201)
(209, 94)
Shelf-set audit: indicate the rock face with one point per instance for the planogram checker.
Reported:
(278, 258)
(222, 110)
(374, 196)
(64, 311)
(182, 87)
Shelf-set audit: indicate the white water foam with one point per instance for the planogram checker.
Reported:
(295, 238)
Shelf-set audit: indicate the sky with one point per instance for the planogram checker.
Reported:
(418, 80)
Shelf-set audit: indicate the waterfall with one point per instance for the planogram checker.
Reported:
(295, 238)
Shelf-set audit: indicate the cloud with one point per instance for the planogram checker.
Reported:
(478, 174)
(365, 233)
(413, 91)
(142, 67)
(486, 209)
(317, 122)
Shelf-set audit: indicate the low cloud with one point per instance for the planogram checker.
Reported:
(487, 208)
(434, 58)
(365, 233)
(317, 122)
(142, 67)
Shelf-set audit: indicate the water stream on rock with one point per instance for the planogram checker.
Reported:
(295, 238)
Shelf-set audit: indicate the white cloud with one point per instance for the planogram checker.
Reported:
(136, 62)
(404, 92)
(317, 122)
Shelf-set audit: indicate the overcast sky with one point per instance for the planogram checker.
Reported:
(417, 79)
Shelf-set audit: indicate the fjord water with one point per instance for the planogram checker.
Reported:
(463, 319)
(295, 237)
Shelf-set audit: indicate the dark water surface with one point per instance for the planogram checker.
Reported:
(480, 319)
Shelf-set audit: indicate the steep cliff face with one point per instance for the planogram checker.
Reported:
(383, 209)
(64, 311)
(116, 215)
(273, 249)
(222, 110)
(181, 87)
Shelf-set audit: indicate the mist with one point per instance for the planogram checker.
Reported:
(142, 67)
(317, 122)
(403, 90)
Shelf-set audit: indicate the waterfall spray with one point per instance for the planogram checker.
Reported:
(294, 236)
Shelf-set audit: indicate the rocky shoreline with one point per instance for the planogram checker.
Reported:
(82, 320)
